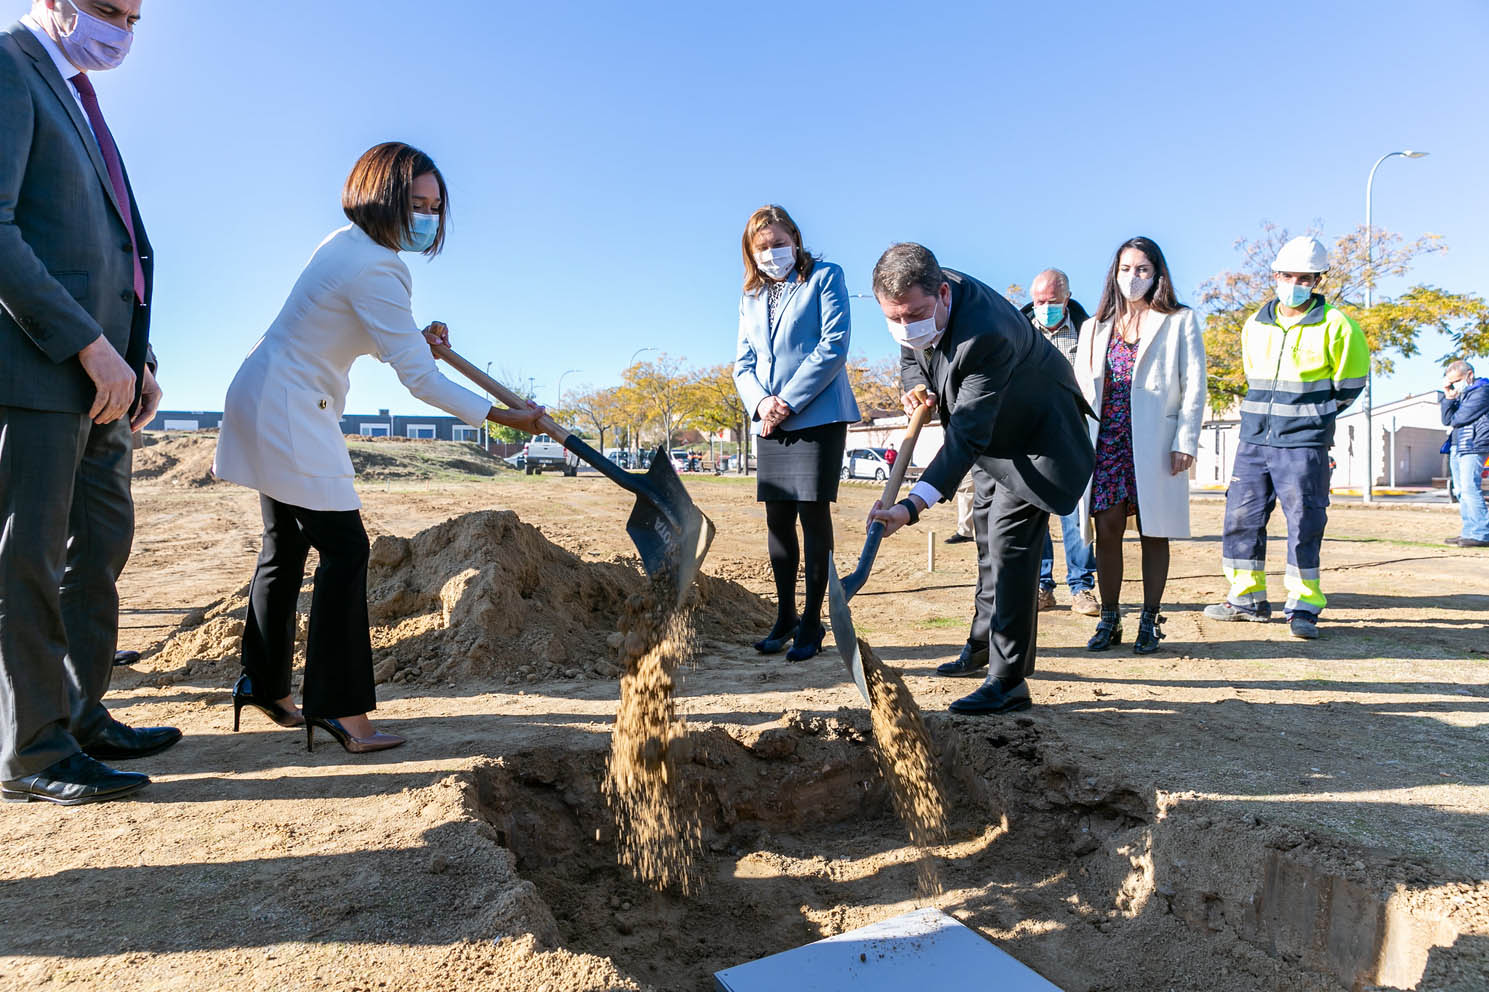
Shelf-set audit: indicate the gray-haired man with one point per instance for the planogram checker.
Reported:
(1058, 317)
(1464, 401)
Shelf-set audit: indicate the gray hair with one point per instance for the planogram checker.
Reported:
(1062, 281)
(904, 266)
(1459, 367)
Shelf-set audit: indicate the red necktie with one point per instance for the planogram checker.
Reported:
(116, 171)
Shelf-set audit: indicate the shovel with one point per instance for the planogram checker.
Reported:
(671, 533)
(838, 591)
(860, 575)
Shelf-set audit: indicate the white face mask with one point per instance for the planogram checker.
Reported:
(915, 335)
(1133, 286)
(776, 263)
(91, 44)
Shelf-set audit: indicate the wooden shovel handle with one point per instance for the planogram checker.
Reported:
(906, 450)
(507, 397)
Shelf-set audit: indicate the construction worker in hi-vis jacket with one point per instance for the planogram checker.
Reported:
(1305, 361)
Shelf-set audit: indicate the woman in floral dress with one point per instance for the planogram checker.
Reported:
(1141, 364)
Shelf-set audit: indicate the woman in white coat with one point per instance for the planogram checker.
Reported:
(281, 434)
(1141, 364)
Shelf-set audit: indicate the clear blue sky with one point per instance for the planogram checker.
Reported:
(602, 158)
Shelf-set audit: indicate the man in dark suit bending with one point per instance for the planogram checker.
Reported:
(1014, 417)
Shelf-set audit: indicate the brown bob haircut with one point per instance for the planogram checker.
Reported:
(759, 221)
(376, 195)
(1160, 295)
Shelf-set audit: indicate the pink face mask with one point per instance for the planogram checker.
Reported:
(92, 45)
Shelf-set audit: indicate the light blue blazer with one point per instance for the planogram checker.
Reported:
(803, 357)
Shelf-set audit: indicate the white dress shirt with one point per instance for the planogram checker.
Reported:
(64, 68)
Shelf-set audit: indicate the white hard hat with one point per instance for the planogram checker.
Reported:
(1302, 254)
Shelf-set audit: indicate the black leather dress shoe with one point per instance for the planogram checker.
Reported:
(991, 697)
(969, 662)
(116, 742)
(957, 539)
(125, 658)
(71, 782)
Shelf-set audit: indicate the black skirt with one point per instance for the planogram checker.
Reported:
(802, 465)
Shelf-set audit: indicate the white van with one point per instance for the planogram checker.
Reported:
(866, 463)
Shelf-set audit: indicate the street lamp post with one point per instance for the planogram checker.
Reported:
(631, 428)
(558, 399)
(1369, 491)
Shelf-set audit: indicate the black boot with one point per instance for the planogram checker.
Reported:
(1108, 631)
(1148, 632)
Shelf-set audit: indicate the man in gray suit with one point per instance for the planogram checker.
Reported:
(75, 376)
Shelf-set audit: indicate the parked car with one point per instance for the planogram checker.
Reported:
(680, 459)
(544, 452)
(866, 463)
(620, 456)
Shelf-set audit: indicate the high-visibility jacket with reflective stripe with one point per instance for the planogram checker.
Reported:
(1298, 379)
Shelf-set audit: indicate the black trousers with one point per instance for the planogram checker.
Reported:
(66, 525)
(338, 655)
(1010, 536)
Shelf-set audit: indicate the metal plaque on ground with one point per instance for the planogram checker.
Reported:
(905, 952)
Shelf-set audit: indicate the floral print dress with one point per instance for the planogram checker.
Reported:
(1115, 478)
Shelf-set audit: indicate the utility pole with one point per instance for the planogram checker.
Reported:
(1369, 491)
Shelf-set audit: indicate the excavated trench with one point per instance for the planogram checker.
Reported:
(1092, 882)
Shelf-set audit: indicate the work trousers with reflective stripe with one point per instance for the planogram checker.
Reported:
(1262, 477)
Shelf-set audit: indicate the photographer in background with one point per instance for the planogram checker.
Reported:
(1464, 401)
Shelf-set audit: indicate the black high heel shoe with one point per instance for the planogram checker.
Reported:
(244, 695)
(379, 741)
(780, 635)
(806, 645)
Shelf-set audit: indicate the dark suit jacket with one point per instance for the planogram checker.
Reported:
(66, 275)
(1007, 399)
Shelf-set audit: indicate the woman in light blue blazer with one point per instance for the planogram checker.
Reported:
(792, 373)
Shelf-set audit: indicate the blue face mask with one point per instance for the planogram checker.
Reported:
(422, 232)
(1049, 314)
(1290, 294)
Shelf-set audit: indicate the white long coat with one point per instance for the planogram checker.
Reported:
(281, 424)
(1168, 406)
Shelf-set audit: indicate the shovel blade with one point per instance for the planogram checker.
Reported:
(843, 634)
(670, 532)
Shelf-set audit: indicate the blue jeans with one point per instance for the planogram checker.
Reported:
(1467, 467)
(1080, 558)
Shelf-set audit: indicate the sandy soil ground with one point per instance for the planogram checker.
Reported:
(1241, 810)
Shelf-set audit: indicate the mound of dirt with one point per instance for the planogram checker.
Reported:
(176, 458)
(391, 459)
(484, 595)
(480, 596)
